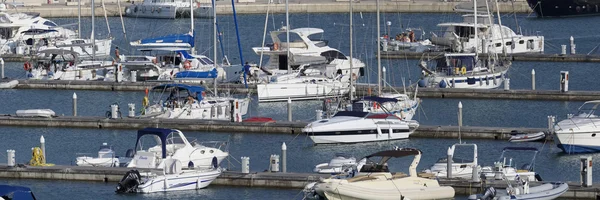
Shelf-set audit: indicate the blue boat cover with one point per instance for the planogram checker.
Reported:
(197, 74)
(520, 149)
(379, 99)
(16, 192)
(177, 38)
(162, 133)
(190, 88)
(185, 54)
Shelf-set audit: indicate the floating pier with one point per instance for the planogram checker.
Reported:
(361, 89)
(514, 57)
(278, 127)
(254, 179)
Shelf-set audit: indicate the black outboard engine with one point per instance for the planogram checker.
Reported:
(489, 194)
(129, 182)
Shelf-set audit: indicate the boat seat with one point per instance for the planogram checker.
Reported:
(426, 175)
(360, 178)
(522, 170)
(399, 175)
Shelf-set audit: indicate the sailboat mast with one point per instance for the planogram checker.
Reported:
(93, 34)
(351, 67)
(475, 27)
(287, 30)
(214, 7)
(192, 24)
(378, 51)
(79, 19)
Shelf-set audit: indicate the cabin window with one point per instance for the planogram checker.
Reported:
(49, 23)
(462, 31)
(498, 44)
(508, 43)
(521, 41)
(332, 55)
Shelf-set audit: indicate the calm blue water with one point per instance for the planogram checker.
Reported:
(63, 144)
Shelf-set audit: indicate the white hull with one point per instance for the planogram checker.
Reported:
(481, 81)
(167, 11)
(300, 91)
(97, 162)
(528, 137)
(186, 180)
(213, 111)
(9, 85)
(36, 113)
(359, 138)
(578, 133)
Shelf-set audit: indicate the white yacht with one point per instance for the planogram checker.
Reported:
(577, 133)
(181, 101)
(62, 64)
(163, 144)
(375, 181)
(169, 9)
(316, 70)
(83, 47)
(20, 32)
(492, 38)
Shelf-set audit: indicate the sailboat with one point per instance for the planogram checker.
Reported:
(466, 70)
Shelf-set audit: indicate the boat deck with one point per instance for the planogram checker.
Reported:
(515, 57)
(254, 179)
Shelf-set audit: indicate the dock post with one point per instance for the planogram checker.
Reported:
(507, 84)
(289, 109)
(284, 158)
(586, 171)
(2, 63)
(231, 110)
(74, 104)
(449, 163)
(133, 76)
(564, 81)
(572, 40)
(460, 115)
(113, 111)
(319, 115)
(131, 110)
(563, 49)
(10, 154)
(274, 166)
(383, 70)
(532, 79)
(245, 165)
(43, 147)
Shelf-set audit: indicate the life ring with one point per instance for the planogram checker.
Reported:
(375, 105)
(27, 66)
(187, 65)
(463, 70)
(456, 70)
(276, 46)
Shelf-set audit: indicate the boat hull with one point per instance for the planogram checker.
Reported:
(489, 81)
(561, 8)
(528, 137)
(358, 136)
(177, 182)
(577, 142)
(299, 91)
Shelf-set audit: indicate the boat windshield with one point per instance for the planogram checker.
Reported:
(451, 64)
(318, 40)
(588, 110)
(351, 114)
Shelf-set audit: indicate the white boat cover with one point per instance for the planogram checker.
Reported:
(36, 113)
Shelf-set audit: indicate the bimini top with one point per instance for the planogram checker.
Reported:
(178, 40)
(307, 31)
(520, 149)
(396, 153)
(191, 88)
(16, 192)
(162, 133)
(379, 99)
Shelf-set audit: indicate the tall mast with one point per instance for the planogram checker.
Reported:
(378, 51)
(192, 24)
(287, 32)
(93, 34)
(79, 19)
(214, 7)
(351, 67)
(475, 27)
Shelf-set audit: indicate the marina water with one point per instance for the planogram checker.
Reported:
(63, 144)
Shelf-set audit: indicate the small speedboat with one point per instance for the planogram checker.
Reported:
(337, 165)
(545, 191)
(172, 178)
(106, 158)
(36, 113)
(9, 84)
(527, 137)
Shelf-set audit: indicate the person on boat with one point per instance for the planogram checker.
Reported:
(247, 70)
(191, 100)
(117, 55)
(411, 36)
(405, 38)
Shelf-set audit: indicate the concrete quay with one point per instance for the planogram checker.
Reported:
(361, 90)
(254, 179)
(538, 57)
(70, 9)
(278, 127)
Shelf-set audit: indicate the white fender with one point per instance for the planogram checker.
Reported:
(390, 133)
(379, 133)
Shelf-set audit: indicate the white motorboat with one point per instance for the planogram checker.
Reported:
(47, 113)
(403, 107)
(577, 133)
(169, 9)
(506, 167)
(461, 168)
(171, 143)
(172, 178)
(83, 48)
(337, 165)
(527, 137)
(315, 69)
(63, 64)
(190, 102)
(375, 181)
(522, 191)
(359, 126)
(20, 27)
(9, 84)
(497, 38)
(404, 41)
(106, 158)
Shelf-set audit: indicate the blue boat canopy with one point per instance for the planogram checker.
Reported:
(520, 149)
(379, 99)
(187, 38)
(190, 88)
(16, 192)
(193, 74)
(162, 133)
(185, 54)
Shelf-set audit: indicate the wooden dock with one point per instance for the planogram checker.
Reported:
(278, 127)
(361, 90)
(513, 57)
(253, 179)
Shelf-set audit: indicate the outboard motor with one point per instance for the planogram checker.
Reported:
(489, 194)
(129, 182)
